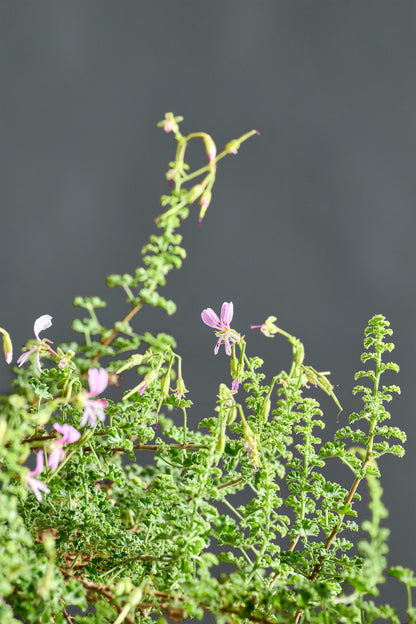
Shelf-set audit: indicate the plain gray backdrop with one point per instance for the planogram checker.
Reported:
(313, 221)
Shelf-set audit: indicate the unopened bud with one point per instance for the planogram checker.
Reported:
(249, 436)
(231, 416)
(7, 346)
(225, 394)
(265, 410)
(194, 193)
(232, 147)
(165, 385)
(205, 199)
(210, 147)
(204, 203)
(299, 352)
(134, 360)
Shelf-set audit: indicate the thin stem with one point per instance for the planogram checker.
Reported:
(134, 310)
(185, 428)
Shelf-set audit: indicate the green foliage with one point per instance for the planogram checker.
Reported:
(141, 515)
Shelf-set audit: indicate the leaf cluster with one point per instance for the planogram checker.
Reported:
(146, 516)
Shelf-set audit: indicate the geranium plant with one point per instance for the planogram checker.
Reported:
(89, 532)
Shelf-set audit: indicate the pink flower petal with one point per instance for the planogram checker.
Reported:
(56, 456)
(36, 485)
(39, 464)
(69, 433)
(210, 318)
(98, 380)
(22, 359)
(93, 411)
(227, 312)
(168, 126)
(42, 323)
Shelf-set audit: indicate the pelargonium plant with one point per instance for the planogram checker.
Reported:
(118, 510)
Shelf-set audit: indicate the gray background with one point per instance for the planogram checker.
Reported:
(313, 221)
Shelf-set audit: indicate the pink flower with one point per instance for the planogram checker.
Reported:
(69, 436)
(69, 433)
(94, 409)
(35, 484)
(41, 323)
(222, 325)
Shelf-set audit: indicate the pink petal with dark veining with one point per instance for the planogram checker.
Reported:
(210, 318)
(227, 312)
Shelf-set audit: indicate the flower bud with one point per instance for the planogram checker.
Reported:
(204, 203)
(7, 346)
(194, 193)
(205, 199)
(265, 410)
(210, 148)
(298, 353)
(225, 395)
(134, 360)
(165, 385)
(249, 435)
(231, 416)
(232, 147)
